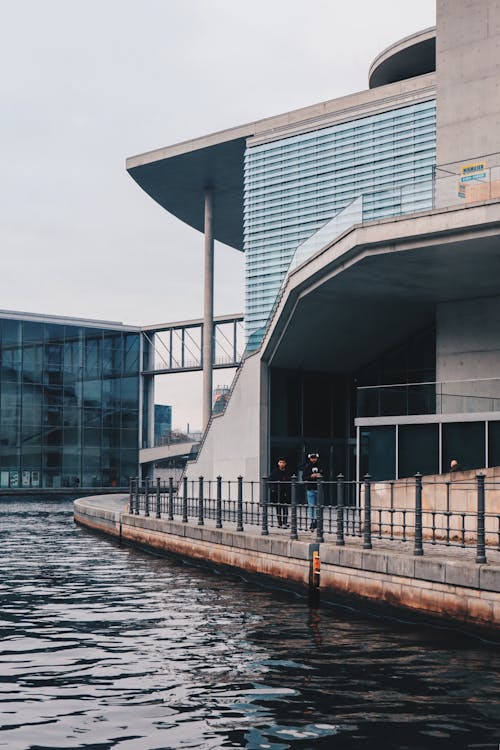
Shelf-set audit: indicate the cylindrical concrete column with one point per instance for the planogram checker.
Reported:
(208, 308)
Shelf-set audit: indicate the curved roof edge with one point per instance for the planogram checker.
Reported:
(412, 56)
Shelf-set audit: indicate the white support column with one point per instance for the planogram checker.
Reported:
(208, 309)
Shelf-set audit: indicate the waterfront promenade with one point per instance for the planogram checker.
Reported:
(439, 580)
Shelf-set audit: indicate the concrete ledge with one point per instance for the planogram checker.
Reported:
(489, 578)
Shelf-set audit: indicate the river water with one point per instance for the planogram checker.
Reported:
(108, 647)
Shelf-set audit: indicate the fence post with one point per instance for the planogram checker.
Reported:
(368, 513)
(131, 495)
(137, 492)
(481, 540)
(340, 510)
(185, 500)
(158, 498)
(146, 496)
(239, 517)
(293, 518)
(263, 500)
(319, 513)
(418, 550)
(200, 502)
(218, 511)
(170, 498)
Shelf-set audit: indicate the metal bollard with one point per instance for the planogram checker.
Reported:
(481, 539)
(146, 496)
(218, 507)
(293, 509)
(264, 503)
(319, 513)
(170, 499)
(239, 516)
(185, 500)
(418, 549)
(131, 495)
(368, 513)
(137, 496)
(200, 501)
(158, 498)
(340, 511)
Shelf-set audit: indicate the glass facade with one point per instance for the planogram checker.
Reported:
(295, 185)
(69, 405)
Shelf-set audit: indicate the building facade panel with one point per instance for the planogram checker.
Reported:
(295, 185)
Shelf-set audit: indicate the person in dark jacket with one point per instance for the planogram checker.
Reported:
(280, 490)
(312, 470)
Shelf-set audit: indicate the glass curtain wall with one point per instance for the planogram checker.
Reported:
(312, 412)
(69, 405)
(294, 185)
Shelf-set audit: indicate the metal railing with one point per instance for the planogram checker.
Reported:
(407, 515)
(440, 397)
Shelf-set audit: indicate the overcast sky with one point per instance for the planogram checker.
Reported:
(86, 84)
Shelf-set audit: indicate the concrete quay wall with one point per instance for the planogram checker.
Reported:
(446, 587)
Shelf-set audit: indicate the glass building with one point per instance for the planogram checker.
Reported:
(293, 186)
(69, 403)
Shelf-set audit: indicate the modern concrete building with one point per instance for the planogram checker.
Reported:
(371, 229)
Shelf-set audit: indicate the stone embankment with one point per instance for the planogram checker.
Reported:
(445, 582)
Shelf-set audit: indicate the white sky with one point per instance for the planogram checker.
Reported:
(86, 84)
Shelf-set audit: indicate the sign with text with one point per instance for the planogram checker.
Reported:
(477, 171)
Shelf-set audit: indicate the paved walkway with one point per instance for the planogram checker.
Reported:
(438, 551)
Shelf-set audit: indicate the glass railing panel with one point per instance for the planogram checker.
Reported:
(459, 397)
(341, 222)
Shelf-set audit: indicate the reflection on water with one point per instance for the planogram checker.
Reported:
(107, 647)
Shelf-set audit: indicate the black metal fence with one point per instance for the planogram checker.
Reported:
(334, 510)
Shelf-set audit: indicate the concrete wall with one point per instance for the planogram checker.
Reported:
(468, 347)
(468, 80)
(233, 444)
(449, 504)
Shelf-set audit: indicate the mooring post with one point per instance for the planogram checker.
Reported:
(368, 513)
(481, 538)
(418, 550)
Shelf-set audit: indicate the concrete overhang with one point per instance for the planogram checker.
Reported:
(412, 56)
(379, 283)
(177, 176)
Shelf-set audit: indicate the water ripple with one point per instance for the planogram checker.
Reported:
(107, 647)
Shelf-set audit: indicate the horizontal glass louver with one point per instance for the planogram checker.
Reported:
(296, 184)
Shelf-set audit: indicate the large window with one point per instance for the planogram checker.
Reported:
(464, 442)
(378, 453)
(418, 449)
